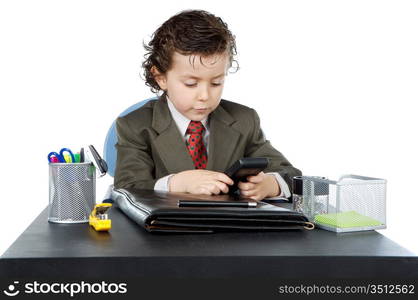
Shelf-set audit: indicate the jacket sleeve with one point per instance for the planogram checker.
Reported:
(258, 146)
(134, 164)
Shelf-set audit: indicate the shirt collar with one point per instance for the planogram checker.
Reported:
(182, 122)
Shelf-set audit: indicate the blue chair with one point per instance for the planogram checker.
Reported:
(109, 151)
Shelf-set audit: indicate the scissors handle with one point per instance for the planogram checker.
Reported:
(54, 156)
(69, 152)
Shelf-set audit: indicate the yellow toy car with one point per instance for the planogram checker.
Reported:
(99, 218)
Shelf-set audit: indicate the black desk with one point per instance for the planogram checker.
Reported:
(47, 250)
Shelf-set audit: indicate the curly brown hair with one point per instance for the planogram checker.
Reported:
(196, 32)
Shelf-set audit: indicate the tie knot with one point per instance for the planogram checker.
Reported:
(195, 127)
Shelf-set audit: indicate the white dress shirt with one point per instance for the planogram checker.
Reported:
(182, 123)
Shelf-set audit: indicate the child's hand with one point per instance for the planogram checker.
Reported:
(259, 187)
(200, 182)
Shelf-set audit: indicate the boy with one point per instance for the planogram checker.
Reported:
(183, 141)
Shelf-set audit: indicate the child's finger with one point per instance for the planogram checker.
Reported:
(249, 193)
(203, 191)
(245, 186)
(222, 186)
(213, 188)
(255, 179)
(224, 178)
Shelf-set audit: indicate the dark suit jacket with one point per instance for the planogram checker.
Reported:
(150, 145)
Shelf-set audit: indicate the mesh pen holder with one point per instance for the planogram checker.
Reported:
(72, 192)
(353, 203)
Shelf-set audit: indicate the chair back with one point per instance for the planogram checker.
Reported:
(109, 151)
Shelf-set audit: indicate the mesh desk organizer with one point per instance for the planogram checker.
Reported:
(353, 203)
(72, 192)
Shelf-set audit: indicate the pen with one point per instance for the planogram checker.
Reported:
(197, 203)
(82, 155)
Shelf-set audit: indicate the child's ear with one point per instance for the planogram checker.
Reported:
(159, 78)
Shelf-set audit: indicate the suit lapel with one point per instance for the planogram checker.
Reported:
(169, 143)
(223, 140)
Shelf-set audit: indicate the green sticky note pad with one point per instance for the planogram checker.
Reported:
(346, 220)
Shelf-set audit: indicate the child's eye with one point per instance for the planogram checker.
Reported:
(190, 84)
(195, 84)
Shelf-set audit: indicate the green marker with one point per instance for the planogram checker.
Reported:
(77, 157)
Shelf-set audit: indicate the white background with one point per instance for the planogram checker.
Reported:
(334, 82)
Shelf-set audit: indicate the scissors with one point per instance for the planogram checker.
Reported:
(54, 157)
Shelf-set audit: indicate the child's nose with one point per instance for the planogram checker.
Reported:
(203, 93)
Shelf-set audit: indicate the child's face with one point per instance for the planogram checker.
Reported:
(195, 89)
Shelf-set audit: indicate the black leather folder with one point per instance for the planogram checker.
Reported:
(160, 212)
